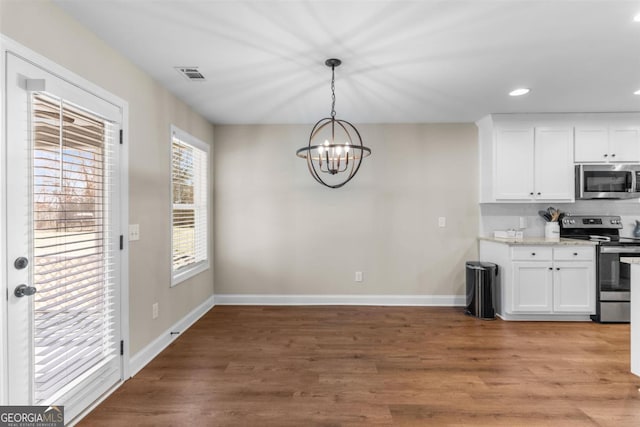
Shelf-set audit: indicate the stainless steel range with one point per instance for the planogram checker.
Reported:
(612, 277)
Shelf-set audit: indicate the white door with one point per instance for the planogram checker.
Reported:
(513, 176)
(62, 241)
(553, 171)
(532, 287)
(591, 144)
(624, 144)
(574, 288)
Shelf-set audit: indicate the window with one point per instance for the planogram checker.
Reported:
(189, 218)
(73, 249)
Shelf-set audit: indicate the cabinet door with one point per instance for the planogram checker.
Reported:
(591, 144)
(532, 287)
(624, 144)
(574, 288)
(513, 174)
(554, 177)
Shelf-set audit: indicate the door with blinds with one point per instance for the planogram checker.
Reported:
(63, 248)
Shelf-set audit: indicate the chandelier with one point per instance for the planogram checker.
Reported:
(335, 151)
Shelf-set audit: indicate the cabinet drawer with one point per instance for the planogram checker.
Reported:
(531, 253)
(573, 253)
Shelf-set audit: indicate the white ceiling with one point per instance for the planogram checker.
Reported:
(403, 61)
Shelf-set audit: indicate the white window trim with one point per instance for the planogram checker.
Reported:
(197, 268)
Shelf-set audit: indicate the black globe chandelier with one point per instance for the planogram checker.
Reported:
(335, 150)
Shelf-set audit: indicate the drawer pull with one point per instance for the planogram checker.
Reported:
(558, 268)
(533, 254)
(550, 268)
(575, 254)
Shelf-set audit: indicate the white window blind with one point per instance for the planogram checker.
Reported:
(73, 244)
(189, 182)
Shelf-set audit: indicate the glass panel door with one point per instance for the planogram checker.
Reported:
(64, 296)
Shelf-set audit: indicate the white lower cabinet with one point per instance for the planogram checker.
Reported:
(532, 290)
(573, 287)
(546, 282)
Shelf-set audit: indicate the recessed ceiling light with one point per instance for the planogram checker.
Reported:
(636, 18)
(520, 91)
(637, 92)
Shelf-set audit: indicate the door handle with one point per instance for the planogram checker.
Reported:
(22, 290)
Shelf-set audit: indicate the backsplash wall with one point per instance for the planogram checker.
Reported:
(505, 216)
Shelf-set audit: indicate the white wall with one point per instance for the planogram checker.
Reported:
(280, 232)
(46, 29)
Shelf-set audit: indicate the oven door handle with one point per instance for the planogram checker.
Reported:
(620, 250)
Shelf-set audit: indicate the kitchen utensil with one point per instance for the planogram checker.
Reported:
(545, 215)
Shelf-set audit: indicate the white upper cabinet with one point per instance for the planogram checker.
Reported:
(624, 144)
(607, 144)
(533, 164)
(553, 169)
(528, 158)
(591, 144)
(514, 165)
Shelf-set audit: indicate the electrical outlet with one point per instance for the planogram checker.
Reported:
(134, 232)
(358, 276)
(442, 221)
(154, 310)
(523, 222)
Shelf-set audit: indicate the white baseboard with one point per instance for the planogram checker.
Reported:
(401, 300)
(147, 354)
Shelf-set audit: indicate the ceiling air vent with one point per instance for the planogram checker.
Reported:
(190, 73)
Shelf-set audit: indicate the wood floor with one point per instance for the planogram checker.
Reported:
(377, 366)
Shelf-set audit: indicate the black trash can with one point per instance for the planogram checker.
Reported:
(481, 282)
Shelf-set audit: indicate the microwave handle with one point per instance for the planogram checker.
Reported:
(581, 180)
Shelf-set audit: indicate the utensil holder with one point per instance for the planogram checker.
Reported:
(552, 231)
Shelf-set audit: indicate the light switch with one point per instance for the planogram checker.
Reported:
(134, 232)
(442, 221)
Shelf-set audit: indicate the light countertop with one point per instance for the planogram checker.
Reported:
(539, 241)
(630, 259)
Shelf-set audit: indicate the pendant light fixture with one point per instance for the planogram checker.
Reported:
(335, 150)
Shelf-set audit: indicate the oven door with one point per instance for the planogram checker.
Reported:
(605, 182)
(614, 278)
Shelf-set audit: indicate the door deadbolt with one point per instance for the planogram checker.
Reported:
(21, 263)
(24, 290)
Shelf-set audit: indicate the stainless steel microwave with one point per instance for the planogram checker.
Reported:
(607, 181)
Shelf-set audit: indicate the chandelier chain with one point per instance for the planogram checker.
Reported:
(333, 91)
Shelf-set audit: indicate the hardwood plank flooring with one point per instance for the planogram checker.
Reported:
(380, 366)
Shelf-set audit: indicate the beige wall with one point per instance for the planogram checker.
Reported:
(279, 232)
(46, 29)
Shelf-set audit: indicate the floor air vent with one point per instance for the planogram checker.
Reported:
(191, 73)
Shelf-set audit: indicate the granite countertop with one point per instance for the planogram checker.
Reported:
(630, 260)
(539, 241)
